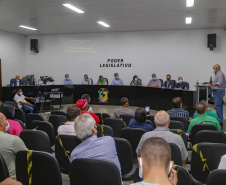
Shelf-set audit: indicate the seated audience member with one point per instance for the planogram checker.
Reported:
(14, 126)
(9, 181)
(20, 99)
(154, 82)
(177, 110)
(208, 111)
(68, 129)
(102, 148)
(17, 82)
(67, 80)
(168, 83)
(86, 80)
(9, 146)
(83, 105)
(123, 110)
(136, 81)
(162, 121)
(87, 97)
(181, 84)
(101, 81)
(203, 118)
(51, 81)
(139, 121)
(154, 163)
(117, 80)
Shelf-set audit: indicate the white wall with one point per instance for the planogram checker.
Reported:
(12, 55)
(182, 52)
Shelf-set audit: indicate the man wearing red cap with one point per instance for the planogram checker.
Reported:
(83, 105)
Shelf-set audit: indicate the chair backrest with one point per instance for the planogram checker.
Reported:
(64, 145)
(91, 81)
(175, 154)
(87, 171)
(206, 158)
(36, 140)
(151, 118)
(31, 117)
(116, 124)
(126, 119)
(45, 127)
(56, 121)
(210, 136)
(182, 175)
(125, 155)
(176, 125)
(19, 114)
(150, 123)
(4, 172)
(104, 130)
(175, 82)
(182, 134)
(102, 117)
(161, 82)
(39, 167)
(182, 119)
(58, 112)
(133, 135)
(21, 123)
(217, 177)
(187, 85)
(199, 127)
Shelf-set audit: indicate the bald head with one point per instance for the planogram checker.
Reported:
(162, 118)
(216, 68)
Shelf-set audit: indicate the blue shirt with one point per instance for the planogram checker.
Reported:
(67, 82)
(102, 148)
(84, 82)
(183, 85)
(135, 124)
(117, 82)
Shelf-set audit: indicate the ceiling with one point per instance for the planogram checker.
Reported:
(50, 17)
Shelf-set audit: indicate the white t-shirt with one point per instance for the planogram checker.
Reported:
(19, 98)
(67, 129)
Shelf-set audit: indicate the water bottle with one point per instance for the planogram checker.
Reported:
(13, 84)
(197, 83)
(170, 87)
(186, 88)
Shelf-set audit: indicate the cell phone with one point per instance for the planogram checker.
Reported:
(170, 167)
(141, 169)
(147, 108)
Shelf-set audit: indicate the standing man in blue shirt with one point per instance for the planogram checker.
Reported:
(67, 80)
(218, 86)
(117, 80)
(181, 84)
(86, 80)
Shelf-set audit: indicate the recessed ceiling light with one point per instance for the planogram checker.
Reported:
(190, 3)
(73, 8)
(26, 27)
(188, 20)
(103, 24)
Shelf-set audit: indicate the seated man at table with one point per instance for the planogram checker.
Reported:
(208, 111)
(117, 80)
(87, 97)
(102, 148)
(162, 122)
(50, 81)
(68, 129)
(203, 118)
(154, 162)
(67, 80)
(154, 82)
(181, 84)
(123, 110)
(17, 81)
(168, 83)
(102, 81)
(83, 105)
(20, 99)
(86, 80)
(177, 110)
(136, 81)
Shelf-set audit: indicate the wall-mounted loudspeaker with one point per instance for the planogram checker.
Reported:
(211, 41)
(34, 45)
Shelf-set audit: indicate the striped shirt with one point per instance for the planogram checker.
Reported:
(178, 112)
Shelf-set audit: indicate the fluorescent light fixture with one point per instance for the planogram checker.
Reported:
(190, 3)
(73, 8)
(188, 20)
(103, 24)
(26, 27)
